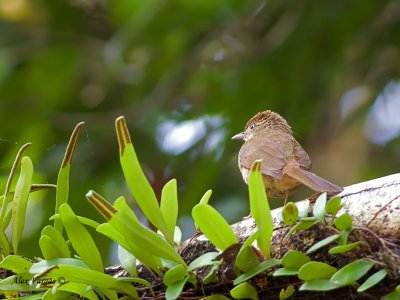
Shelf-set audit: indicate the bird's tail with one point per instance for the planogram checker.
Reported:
(311, 180)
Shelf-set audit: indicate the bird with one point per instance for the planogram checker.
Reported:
(285, 165)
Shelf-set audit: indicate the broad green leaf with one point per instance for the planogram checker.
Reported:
(127, 261)
(322, 243)
(134, 232)
(286, 293)
(151, 262)
(137, 181)
(214, 226)
(79, 289)
(20, 283)
(319, 207)
(7, 195)
(244, 291)
(175, 289)
(265, 265)
(318, 285)
(333, 206)
(62, 190)
(16, 264)
(316, 270)
(211, 277)
(82, 220)
(352, 272)
(294, 259)
(246, 259)
(344, 248)
(372, 280)
(58, 239)
(259, 208)
(343, 222)
(80, 238)
(178, 273)
(285, 272)
(251, 238)
(81, 275)
(49, 248)
(122, 205)
(204, 260)
(20, 201)
(290, 213)
(169, 205)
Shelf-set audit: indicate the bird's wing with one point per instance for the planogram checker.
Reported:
(273, 160)
(301, 156)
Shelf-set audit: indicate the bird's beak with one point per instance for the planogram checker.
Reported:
(238, 136)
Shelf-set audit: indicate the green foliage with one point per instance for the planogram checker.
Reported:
(244, 291)
(85, 276)
(214, 226)
(20, 201)
(259, 209)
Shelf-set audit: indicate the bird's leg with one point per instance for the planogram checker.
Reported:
(286, 196)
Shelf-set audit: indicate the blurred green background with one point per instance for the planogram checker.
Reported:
(187, 75)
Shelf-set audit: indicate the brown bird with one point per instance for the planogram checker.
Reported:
(285, 164)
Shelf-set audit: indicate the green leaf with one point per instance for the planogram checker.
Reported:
(244, 291)
(62, 190)
(122, 205)
(333, 206)
(52, 244)
(211, 277)
(322, 243)
(344, 248)
(137, 181)
(302, 225)
(351, 272)
(246, 259)
(20, 201)
(395, 295)
(175, 289)
(127, 261)
(177, 273)
(260, 210)
(206, 197)
(72, 273)
(303, 208)
(344, 236)
(265, 265)
(19, 283)
(286, 293)
(79, 289)
(204, 260)
(151, 262)
(294, 259)
(290, 213)
(4, 244)
(16, 264)
(372, 280)
(7, 195)
(134, 232)
(319, 208)
(169, 205)
(285, 272)
(80, 238)
(316, 270)
(214, 226)
(318, 285)
(215, 297)
(343, 222)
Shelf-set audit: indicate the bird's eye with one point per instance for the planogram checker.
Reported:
(252, 126)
